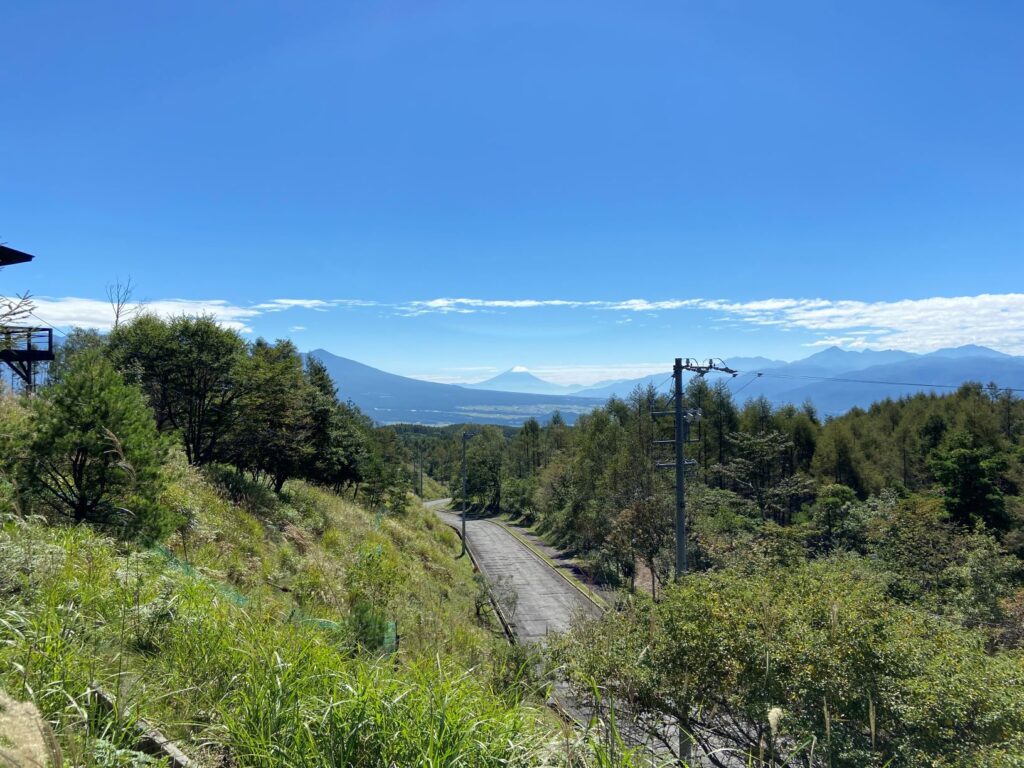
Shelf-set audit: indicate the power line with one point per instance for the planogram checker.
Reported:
(657, 389)
(52, 327)
(864, 381)
(757, 375)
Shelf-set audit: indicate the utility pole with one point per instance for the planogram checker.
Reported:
(682, 435)
(421, 470)
(465, 439)
(683, 418)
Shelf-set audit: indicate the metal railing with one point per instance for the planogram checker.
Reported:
(28, 345)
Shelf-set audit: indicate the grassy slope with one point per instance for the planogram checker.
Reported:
(433, 489)
(242, 638)
(314, 549)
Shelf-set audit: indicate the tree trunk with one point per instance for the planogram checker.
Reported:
(81, 511)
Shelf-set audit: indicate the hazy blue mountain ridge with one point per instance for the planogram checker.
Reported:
(834, 380)
(521, 380)
(388, 398)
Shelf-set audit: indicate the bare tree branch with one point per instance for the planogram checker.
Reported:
(15, 308)
(120, 295)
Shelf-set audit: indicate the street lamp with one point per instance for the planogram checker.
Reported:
(465, 439)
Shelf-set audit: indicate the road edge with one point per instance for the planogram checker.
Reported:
(506, 625)
(584, 590)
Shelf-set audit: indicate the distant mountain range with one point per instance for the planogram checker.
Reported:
(834, 380)
(389, 399)
(519, 379)
(943, 370)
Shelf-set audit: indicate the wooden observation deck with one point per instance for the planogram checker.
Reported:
(22, 347)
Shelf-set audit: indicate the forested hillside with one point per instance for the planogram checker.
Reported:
(203, 529)
(197, 530)
(855, 595)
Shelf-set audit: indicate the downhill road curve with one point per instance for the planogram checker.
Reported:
(545, 601)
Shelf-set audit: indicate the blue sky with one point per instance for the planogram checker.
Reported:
(412, 184)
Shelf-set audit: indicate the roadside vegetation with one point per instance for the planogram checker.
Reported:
(855, 595)
(201, 531)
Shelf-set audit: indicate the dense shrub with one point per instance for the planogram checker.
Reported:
(94, 454)
(865, 680)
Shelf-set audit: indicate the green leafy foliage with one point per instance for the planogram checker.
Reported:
(188, 368)
(857, 587)
(95, 454)
(856, 598)
(257, 407)
(853, 676)
(770, 486)
(271, 435)
(969, 475)
(248, 644)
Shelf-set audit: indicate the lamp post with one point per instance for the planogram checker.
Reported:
(465, 439)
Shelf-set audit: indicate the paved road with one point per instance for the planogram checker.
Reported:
(546, 602)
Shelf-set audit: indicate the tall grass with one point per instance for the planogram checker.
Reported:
(246, 672)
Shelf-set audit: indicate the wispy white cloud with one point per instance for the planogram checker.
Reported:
(464, 306)
(467, 306)
(320, 305)
(72, 311)
(916, 325)
(643, 305)
(95, 313)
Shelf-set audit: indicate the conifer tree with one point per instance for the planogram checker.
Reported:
(96, 453)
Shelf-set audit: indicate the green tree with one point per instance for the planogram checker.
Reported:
(188, 368)
(15, 434)
(96, 455)
(969, 474)
(77, 341)
(384, 482)
(721, 419)
(807, 665)
(800, 425)
(526, 448)
(485, 467)
(645, 530)
(935, 563)
(271, 436)
(838, 457)
(336, 443)
(831, 510)
(761, 471)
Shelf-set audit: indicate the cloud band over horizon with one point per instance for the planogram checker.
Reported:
(914, 325)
